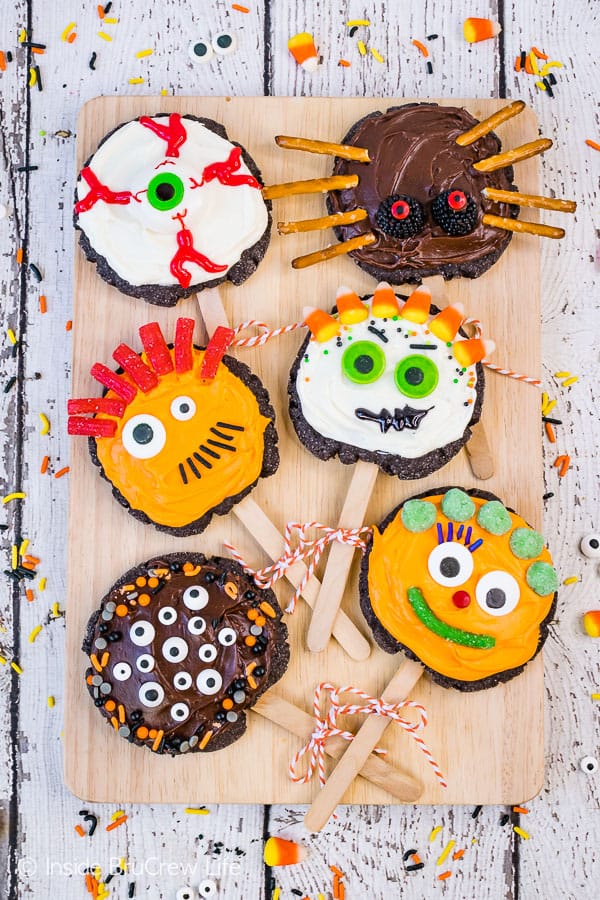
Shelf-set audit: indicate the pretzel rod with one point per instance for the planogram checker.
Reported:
(295, 720)
(532, 200)
(523, 227)
(311, 186)
(344, 151)
(345, 218)
(486, 125)
(302, 262)
(525, 151)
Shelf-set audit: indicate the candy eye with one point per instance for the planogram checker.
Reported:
(363, 362)
(142, 634)
(497, 593)
(183, 409)
(416, 376)
(151, 694)
(180, 712)
(207, 888)
(224, 43)
(122, 671)
(185, 893)
(167, 615)
(400, 216)
(144, 436)
(450, 564)
(590, 546)
(455, 212)
(195, 597)
(207, 652)
(196, 625)
(165, 191)
(175, 649)
(227, 637)
(200, 51)
(145, 663)
(209, 682)
(182, 681)
(589, 764)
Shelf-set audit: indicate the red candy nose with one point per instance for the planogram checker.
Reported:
(461, 599)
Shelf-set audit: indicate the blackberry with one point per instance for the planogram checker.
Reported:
(455, 212)
(400, 216)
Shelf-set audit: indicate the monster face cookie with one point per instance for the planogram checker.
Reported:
(180, 648)
(182, 432)
(461, 583)
(167, 205)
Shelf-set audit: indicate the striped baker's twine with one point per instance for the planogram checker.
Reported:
(308, 550)
(326, 727)
(501, 370)
(259, 339)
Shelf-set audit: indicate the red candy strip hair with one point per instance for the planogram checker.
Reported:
(184, 341)
(186, 252)
(156, 348)
(99, 191)
(113, 382)
(174, 133)
(91, 427)
(215, 351)
(111, 407)
(138, 371)
(223, 171)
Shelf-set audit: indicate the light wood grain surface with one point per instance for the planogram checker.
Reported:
(38, 848)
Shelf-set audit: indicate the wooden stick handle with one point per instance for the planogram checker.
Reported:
(344, 151)
(340, 557)
(522, 227)
(487, 125)
(532, 200)
(479, 453)
(279, 711)
(212, 310)
(267, 535)
(360, 748)
(310, 186)
(525, 151)
(302, 262)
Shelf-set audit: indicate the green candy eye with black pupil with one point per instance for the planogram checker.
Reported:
(165, 191)
(363, 362)
(416, 376)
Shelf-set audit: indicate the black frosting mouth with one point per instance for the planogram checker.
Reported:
(407, 417)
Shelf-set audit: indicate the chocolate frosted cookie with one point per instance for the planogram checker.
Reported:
(167, 206)
(423, 197)
(180, 648)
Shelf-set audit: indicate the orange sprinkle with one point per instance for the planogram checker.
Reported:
(421, 47)
(2, 61)
(62, 472)
(38, 50)
(228, 703)
(152, 733)
(341, 891)
(159, 736)
(144, 600)
(337, 871)
(29, 595)
(250, 641)
(252, 682)
(268, 610)
(88, 883)
(32, 559)
(245, 9)
(558, 461)
(336, 887)
(80, 831)
(43, 307)
(115, 723)
(117, 822)
(71, 37)
(110, 706)
(416, 859)
(261, 621)
(19, 256)
(88, 680)
(95, 663)
(252, 614)
(518, 64)
(152, 582)
(28, 565)
(100, 12)
(564, 467)
(528, 67)
(344, 63)
(538, 53)
(550, 432)
(121, 714)
(140, 582)
(142, 732)
(121, 610)
(458, 854)
(69, 325)
(593, 144)
(444, 875)
(44, 465)
(205, 740)
(520, 809)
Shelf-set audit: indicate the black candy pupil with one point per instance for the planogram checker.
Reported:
(495, 598)
(174, 651)
(165, 191)
(224, 41)
(184, 407)
(200, 49)
(139, 632)
(449, 567)
(594, 543)
(414, 375)
(143, 433)
(210, 682)
(363, 364)
(152, 695)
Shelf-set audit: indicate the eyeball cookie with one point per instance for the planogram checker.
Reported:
(182, 432)
(394, 383)
(180, 648)
(168, 205)
(461, 583)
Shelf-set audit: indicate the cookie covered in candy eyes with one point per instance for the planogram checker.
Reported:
(461, 583)
(167, 205)
(182, 432)
(180, 648)
(390, 382)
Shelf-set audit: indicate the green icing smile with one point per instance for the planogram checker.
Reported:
(429, 619)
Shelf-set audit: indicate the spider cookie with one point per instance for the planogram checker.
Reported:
(182, 433)
(461, 583)
(180, 648)
(168, 205)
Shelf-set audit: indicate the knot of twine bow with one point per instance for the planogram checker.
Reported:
(308, 550)
(326, 726)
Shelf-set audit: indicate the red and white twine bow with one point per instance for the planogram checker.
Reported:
(326, 727)
(501, 370)
(259, 339)
(308, 550)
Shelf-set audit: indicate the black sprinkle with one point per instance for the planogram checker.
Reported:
(432, 37)
(9, 56)
(552, 78)
(422, 346)
(36, 272)
(38, 81)
(429, 67)
(523, 58)
(10, 384)
(549, 90)
(379, 332)
(11, 574)
(25, 573)
(476, 812)
(408, 854)
(92, 65)
(131, 892)
(158, 588)
(504, 819)
(548, 495)
(109, 878)
(415, 867)
(15, 350)
(353, 30)
(107, 8)
(84, 812)
(552, 421)
(297, 893)
(27, 168)
(34, 46)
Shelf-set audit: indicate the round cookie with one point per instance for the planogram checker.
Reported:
(167, 206)
(180, 648)
(455, 596)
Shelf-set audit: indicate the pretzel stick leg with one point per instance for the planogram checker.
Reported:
(353, 760)
(274, 708)
(340, 557)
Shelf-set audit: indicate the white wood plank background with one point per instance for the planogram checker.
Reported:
(39, 850)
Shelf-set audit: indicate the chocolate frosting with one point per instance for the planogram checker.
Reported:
(192, 643)
(414, 153)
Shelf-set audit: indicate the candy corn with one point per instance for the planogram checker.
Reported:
(416, 308)
(279, 852)
(322, 325)
(591, 623)
(302, 47)
(476, 30)
(467, 353)
(385, 302)
(350, 307)
(446, 324)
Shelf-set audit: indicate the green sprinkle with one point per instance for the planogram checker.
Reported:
(42, 133)
(494, 517)
(526, 543)
(457, 505)
(542, 578)
(418, 515)
(442, 629)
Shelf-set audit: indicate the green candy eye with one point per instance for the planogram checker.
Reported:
(165, 191)
(363, 362)
(416, 376)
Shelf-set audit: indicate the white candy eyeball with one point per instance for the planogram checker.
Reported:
(145, 663)
(227, 637)
(167, 615)
(450, 564)
(195, 597)
(200, 51)
(144, 436)
(182, 681)
(151, 694)
(183, 409)
(207, 888)
(180, 712)
(175, 649)
(121, 671)
(196, 625)
(185, 893)
(224, 43)
(590, 546)
(142, 634)
(209, 682)
(589, 765)
(207, 652)
(497, 593)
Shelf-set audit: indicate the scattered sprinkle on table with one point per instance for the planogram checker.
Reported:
(65, 35)
(434, 833)
(51, 702)
(444, 875)
(136, 80)
(42, 584)
(351, 23)
(375, 53)
(34, 633)
(521, 833)
(43, 307)
(420, 46)
(69, 325)
(445, 852)
(239, 8)
(44, 465)
(141, 53)
(45, 423)
(11, 336)
(593, 144)
(16, 495)
(572, 579)
(521, 809)
(104, 36)
(63, 471)
(361, 48)
(17, 668)
(116, 823)
(595, 696)
(202, 811)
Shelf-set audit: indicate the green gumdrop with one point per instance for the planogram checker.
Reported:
(542, 578)
(418, 515)
(526, 543)
(457, 505)
(494, 517)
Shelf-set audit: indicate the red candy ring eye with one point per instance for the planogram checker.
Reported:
(457, 200)
(400, 209)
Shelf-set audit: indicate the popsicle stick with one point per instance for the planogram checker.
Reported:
(212, 310)
(293, 719)
(479, 453)
(269, 538)
(340, 557)
(359, 750)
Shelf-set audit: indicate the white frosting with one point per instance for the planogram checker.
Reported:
(329, 398)
(139, 241)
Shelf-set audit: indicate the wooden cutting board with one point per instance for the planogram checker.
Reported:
(489, 743)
